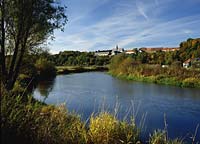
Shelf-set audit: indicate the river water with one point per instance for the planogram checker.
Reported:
(151, 105)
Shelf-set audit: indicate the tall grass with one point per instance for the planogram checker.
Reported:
(160, 137)
(34, 122)
(105, 128)
(125, 67)
(29, 121)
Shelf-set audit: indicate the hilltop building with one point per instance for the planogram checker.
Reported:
(130, 51)
(112, 52)
(117, 50)
(103, 52)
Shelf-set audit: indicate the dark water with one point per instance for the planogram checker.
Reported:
(86, 93)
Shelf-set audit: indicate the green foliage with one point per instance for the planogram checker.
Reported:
(191, 82)
(45, 68)
(105, 129)
(160, 137)
(126, 67)
(76, 58)
(25, 25)
(29, 121)
(116, 60)
(159, 57)
(189, 49)
(79, 69)
(196, 63)
(176, 64)
(33, 122)
(126, 64)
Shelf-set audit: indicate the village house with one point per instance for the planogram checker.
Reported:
(187, 63)
(195, 62)
(130, 52)
(103, 53)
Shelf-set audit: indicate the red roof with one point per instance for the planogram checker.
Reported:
(187, 61)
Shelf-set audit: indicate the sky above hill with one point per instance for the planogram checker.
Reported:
(102, 24)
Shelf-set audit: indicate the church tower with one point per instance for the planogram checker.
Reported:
(117, 47)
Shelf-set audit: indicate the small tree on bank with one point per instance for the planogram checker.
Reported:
(25, 24)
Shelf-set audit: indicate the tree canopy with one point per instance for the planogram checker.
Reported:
(189, 49)
(26, 24)
(76, 58)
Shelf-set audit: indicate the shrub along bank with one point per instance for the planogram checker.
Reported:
(25, 120)
(79, 69)
(125, 67)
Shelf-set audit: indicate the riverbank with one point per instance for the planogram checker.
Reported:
(33, 122)
(30, 121)
(126, 67)
(160, 79)
(79, 69)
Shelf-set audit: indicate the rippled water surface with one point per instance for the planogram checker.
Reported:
(90, 92)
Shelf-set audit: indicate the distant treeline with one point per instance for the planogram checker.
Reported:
(188, 49)
(42, 64)
(144, 66)
(76, 58)
(125, 67)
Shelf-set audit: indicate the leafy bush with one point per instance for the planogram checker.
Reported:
(45, 68)
(191, 82)
(105, 129)
(116, 60)
(160, 137)
(125, 67)
(29, 121)
(76, 58)
(33, 122)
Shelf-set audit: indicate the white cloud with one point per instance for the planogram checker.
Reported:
(187, 31)
(141, 9)
(127, 28)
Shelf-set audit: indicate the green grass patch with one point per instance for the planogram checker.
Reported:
(79, 69)
(25, 120)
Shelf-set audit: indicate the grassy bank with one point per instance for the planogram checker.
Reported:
(126, 68)
(29, 121)
(79, 69)
(160, 79)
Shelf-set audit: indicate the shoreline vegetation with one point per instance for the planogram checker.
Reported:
(30, 121)
(161, 78)
(26, 26)
(125, 67)
(161, 67)
(79, 69)
(189, 82)
(26, 120)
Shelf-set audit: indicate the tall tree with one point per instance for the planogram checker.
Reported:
(25, 24)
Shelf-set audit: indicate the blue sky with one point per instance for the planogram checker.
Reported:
(102, 24)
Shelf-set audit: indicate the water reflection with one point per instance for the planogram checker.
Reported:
(85, 92)
(44, 87)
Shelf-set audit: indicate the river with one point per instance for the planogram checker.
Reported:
(152, 105)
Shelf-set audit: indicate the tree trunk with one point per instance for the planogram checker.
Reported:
(3, 65)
